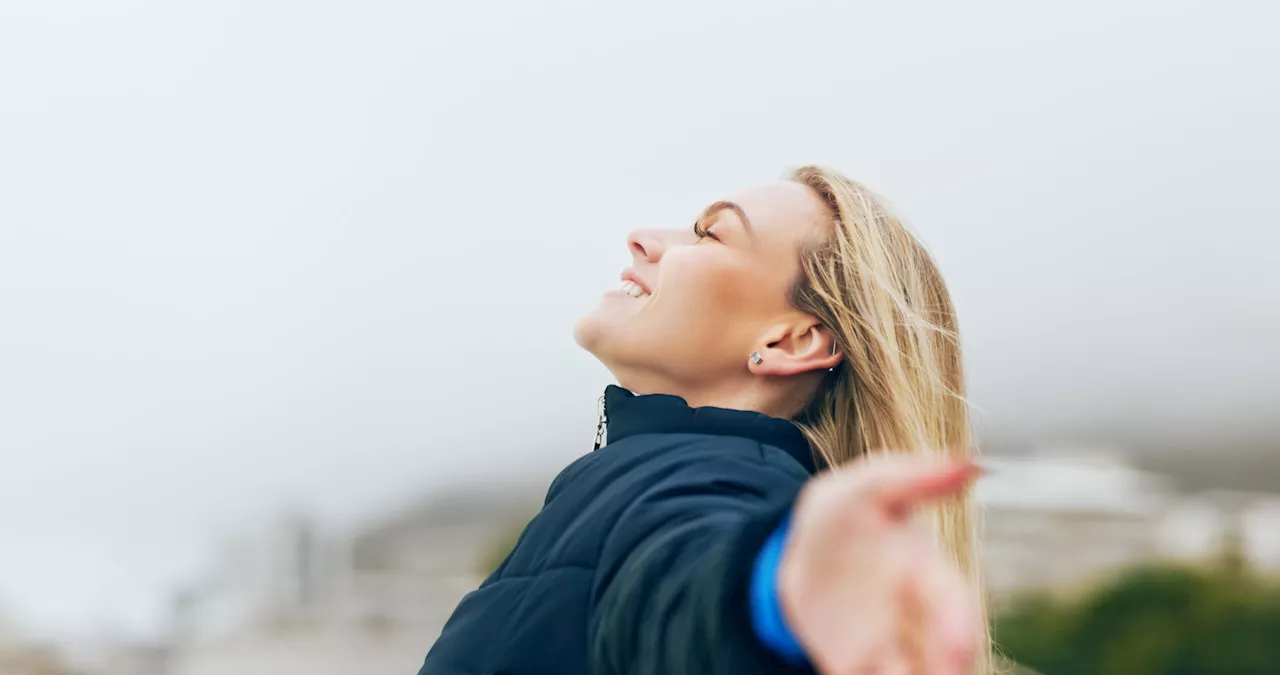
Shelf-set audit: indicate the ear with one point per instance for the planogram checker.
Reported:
(796, 347)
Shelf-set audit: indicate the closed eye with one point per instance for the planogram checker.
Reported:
(703, 233)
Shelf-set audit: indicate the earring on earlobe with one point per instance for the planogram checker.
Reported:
(832, 369)
(755, 358)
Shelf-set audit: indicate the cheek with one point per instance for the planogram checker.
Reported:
(714, 288)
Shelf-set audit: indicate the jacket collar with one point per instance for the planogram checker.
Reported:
(627, 414)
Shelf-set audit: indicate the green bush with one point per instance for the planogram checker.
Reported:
(1151, 621)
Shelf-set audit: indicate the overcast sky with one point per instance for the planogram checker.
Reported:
(258, 254)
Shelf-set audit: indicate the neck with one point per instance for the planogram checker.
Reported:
(774, 397)
(629, 415)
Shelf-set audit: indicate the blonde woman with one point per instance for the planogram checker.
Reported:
(778, 484)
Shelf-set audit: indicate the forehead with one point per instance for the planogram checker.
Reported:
(783, 211)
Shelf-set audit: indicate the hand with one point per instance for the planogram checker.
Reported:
(867, 592)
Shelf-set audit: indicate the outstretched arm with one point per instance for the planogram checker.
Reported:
(852, 584)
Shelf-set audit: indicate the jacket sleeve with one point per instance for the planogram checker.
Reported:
(672, 589)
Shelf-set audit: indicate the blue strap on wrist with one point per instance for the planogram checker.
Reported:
(766, 611)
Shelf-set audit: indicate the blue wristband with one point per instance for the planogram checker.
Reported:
(766, 611)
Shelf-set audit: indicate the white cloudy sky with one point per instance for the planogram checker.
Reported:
(256, 254)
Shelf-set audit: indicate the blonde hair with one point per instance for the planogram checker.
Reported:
(900, 387)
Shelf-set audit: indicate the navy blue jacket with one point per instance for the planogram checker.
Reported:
(641, 558)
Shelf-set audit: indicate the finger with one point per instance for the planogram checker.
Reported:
(913, 634)
(952, 628)
(900, 486)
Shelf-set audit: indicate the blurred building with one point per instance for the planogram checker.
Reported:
(293, 601)
(1207, 525)
(1062, 520)
(1065, 519)
(122, 658)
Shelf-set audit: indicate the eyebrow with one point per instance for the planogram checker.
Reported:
(727, 206)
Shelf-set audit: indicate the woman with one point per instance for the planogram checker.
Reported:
(796, 328)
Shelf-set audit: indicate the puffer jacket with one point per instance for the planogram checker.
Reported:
(641, 558)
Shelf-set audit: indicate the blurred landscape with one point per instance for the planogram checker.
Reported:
(286, 292)
(1065, 531)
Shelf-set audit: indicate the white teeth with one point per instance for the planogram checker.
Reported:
(633, 289)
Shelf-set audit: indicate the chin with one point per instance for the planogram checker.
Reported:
(587, 332)
(602, 337)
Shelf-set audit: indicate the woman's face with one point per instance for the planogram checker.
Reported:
(697, 301)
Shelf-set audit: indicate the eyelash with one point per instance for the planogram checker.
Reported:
(701, 233)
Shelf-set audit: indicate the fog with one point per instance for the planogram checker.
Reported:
(325, 255)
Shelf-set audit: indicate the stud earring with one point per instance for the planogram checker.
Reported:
(755, 358)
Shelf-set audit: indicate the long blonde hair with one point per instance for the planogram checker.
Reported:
(900, 387)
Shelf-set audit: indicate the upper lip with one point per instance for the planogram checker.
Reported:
(628, 275)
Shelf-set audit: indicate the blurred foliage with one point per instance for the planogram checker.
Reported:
(493, 556)
(1151, 621)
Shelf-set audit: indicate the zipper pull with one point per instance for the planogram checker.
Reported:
(600, 426)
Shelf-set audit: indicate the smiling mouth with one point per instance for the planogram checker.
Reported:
(633, 289)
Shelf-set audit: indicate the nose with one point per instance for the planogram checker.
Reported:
(647, 245)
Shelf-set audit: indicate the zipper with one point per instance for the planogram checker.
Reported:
(601, 424)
